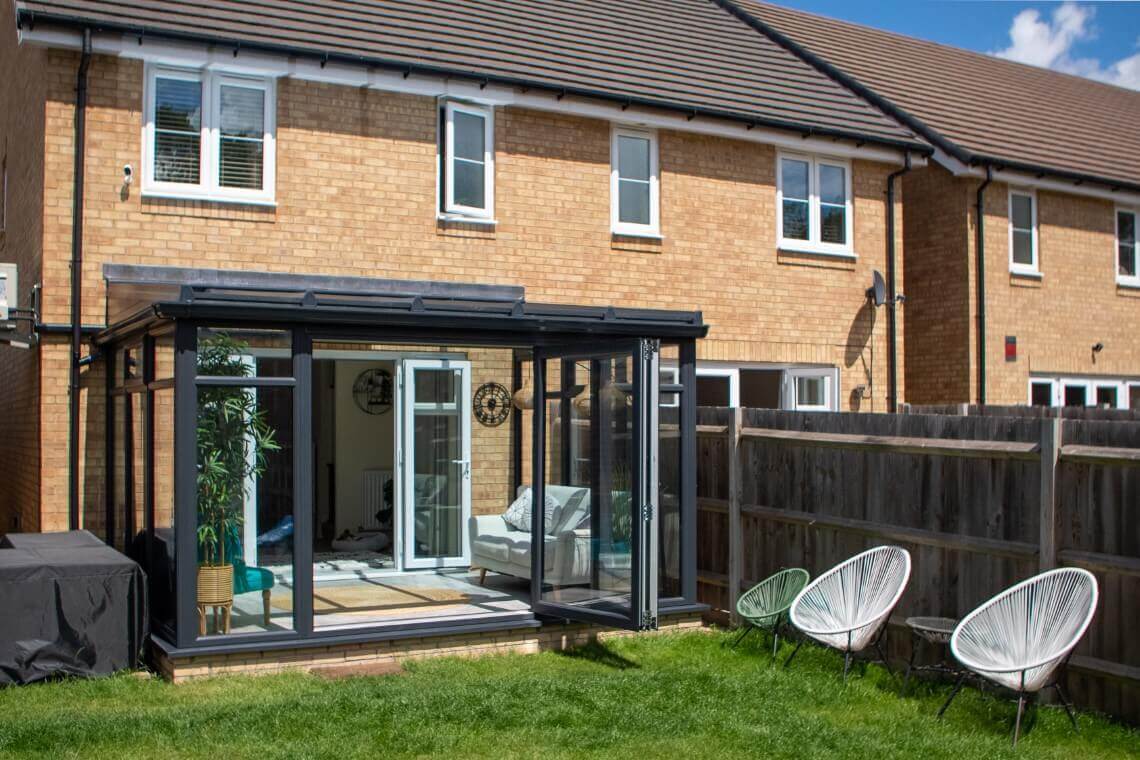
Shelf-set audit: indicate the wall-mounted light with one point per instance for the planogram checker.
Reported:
(1098, 347)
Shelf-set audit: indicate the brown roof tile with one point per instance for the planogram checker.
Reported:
(687, 54)
(983, 106)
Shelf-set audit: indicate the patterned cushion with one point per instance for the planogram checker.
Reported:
(518, 514)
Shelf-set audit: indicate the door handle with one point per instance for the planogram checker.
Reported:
(466, 463)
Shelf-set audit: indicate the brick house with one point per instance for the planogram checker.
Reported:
(1040, 304)
(375, 234)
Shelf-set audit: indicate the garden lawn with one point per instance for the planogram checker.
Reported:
(639, 697)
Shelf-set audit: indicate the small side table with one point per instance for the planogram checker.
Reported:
(932, 630)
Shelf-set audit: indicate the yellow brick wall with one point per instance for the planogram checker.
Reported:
(1056, 318)
(356, 196)
(22, 149)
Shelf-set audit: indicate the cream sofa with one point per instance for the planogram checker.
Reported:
(501, 548)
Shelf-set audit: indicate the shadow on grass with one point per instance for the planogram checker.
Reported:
(598, 652)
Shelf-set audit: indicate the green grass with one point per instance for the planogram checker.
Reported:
(633, 698)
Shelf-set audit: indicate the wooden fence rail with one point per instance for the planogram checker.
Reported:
(982, 501)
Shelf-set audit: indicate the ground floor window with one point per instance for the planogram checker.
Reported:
(1102, 392)
(756, 386)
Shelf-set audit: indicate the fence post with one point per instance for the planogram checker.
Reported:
(1050, 453)
(735, 537)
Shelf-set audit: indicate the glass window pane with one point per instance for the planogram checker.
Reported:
(633, 158)
(760, 388)
(1076, 395)
(177, 130)
(713, 391)
(832, 184)
(811, 391)
(244, 353)
(794, 179)
(1041, 394)
(1126, 260)
(245, 509)
(795, 219)
(1021, 211)
(1106, 396)
(1023, 247)
(833, 224)
(1126, 227)
(242, 111)
(633, 202)
(468, 188)
(1134, 397)
(468, 135)
(241, 163)
(669, 496)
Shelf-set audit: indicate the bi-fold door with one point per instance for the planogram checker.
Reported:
(594, 467)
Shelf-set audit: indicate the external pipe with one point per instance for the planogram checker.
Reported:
(892, 294)
(980, 251)
(77, 281)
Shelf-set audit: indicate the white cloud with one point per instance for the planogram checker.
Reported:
(1049, 43)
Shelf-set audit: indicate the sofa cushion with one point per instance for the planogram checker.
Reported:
(492, 547)
(575, 512)
(518, 514)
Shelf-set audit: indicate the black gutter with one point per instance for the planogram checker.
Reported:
(980, 251)
(77, 281)
(25, 17)
(892, 293)
(912, 122)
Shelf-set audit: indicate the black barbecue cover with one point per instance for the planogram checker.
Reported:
(69, 605)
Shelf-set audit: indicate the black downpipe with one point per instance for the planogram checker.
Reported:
(77, 281)
(892, 293)
(980, 251)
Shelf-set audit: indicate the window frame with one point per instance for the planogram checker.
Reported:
(4, 193)
(630, 229)
(1034, 269)
(449, 209)
(209, 187)
(1053, 386)
(1129, 281)
(794, 375)
(814, 244)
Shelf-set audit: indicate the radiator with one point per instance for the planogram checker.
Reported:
(372, 496)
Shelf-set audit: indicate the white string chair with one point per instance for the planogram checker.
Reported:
(1022, 636)
(846, 607)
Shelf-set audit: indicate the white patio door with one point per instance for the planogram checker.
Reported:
(434, 459)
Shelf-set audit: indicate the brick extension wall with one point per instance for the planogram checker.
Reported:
(1056, 318)
(553, 637)
(356, 196)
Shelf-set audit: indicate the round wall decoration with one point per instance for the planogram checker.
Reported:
(492, 404)
(372, 391)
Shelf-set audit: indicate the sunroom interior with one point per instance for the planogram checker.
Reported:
(354, 457)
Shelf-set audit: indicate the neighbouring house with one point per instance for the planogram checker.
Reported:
(316, 301)
(1039, 304)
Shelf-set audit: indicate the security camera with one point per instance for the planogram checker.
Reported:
(128, 174)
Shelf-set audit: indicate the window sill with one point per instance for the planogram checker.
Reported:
(807, 249)
(1121, 282)
(646, 235)
(163, 195)
(1032, 274)
(460, 219)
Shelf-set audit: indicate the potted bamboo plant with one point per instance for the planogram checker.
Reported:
(233, 440)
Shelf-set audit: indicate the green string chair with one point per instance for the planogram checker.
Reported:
(765, 605)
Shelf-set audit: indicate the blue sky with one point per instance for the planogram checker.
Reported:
(1098, 40)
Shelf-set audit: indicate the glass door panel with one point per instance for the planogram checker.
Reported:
(436, 452)
(597, 459)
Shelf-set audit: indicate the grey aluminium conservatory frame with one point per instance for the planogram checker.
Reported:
(313, 309)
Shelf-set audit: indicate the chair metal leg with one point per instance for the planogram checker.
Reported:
(953, 693)
(795, 651)
(775, 639)
(909, 666)
(1068, 707)
(1017, 721)
(883, 656)
(846, 665)
(747, 630)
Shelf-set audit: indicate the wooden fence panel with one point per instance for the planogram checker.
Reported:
(965, 494)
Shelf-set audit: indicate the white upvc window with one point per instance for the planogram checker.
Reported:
(813, 205)
(468, 161)
(1042, 391)
(1023, 246)
(1103, 392)
(634, 193)
(669, 376)
(1127, 258)
(811, 390)
(209, 135)
(1133, 399)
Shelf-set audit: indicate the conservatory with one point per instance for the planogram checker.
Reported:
(302, 460)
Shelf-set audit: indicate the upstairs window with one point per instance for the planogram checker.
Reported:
(634, 183)
(209, 136)
(814, 205)
(468, 161)
(1023, 233)
(1127, 272)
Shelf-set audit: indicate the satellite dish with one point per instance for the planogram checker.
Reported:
(877, 293)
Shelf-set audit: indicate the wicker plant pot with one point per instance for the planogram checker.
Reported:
(215, 584)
